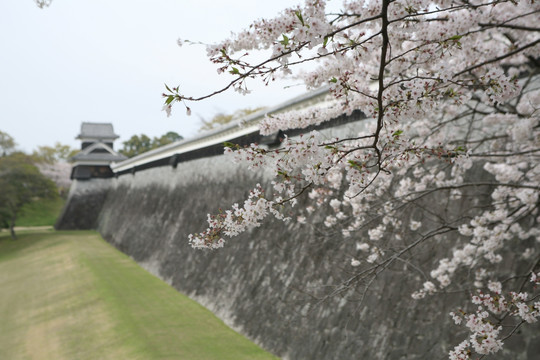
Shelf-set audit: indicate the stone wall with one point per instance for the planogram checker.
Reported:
(84, 204)
(268, 282)
(278, 284)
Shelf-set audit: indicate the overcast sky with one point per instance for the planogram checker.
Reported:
(107, 61)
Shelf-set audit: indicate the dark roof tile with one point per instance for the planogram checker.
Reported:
(97, 131)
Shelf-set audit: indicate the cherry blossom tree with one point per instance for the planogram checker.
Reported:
(448, 150)
(59, 172)
(53, 162)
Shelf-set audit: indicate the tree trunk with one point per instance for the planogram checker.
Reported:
(12, 227)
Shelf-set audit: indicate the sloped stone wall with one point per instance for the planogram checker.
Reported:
(84, 203)
(270, 283)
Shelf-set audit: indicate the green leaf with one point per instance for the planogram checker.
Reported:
(299, 16)
(170, 99)
(397, 133)
(333, 80)
(456, 37)
(411, 10)
(166, 87)
(285, 40)
(231, 145)
(354, 164)
(234, 71)
(284, 174)
(325, 41)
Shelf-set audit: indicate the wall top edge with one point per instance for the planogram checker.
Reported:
(243, 126)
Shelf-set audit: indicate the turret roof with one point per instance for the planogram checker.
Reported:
(98, 131)
(99, 152)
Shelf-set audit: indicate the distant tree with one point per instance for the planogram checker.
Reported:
(7, 144)
(53, 154)
(59, 172)
(222, 119)
(168, 138)
(53, 162)
(139, 144)
(4, 216)
(136, 145)
(21, 183)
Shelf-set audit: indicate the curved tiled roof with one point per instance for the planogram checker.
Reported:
(100, 131)
(98, 152)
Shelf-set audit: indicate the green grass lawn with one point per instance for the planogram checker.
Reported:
(41, 212)
(70, 295)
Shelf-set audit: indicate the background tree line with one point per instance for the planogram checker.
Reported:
(139, 144)
(21, 180)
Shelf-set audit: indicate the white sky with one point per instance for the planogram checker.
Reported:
(107, 61)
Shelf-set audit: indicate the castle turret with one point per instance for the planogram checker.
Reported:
(97, 152)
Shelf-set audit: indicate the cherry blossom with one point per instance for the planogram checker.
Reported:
(450, 96)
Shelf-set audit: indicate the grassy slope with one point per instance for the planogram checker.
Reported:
(41, 212)
(70, 295)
